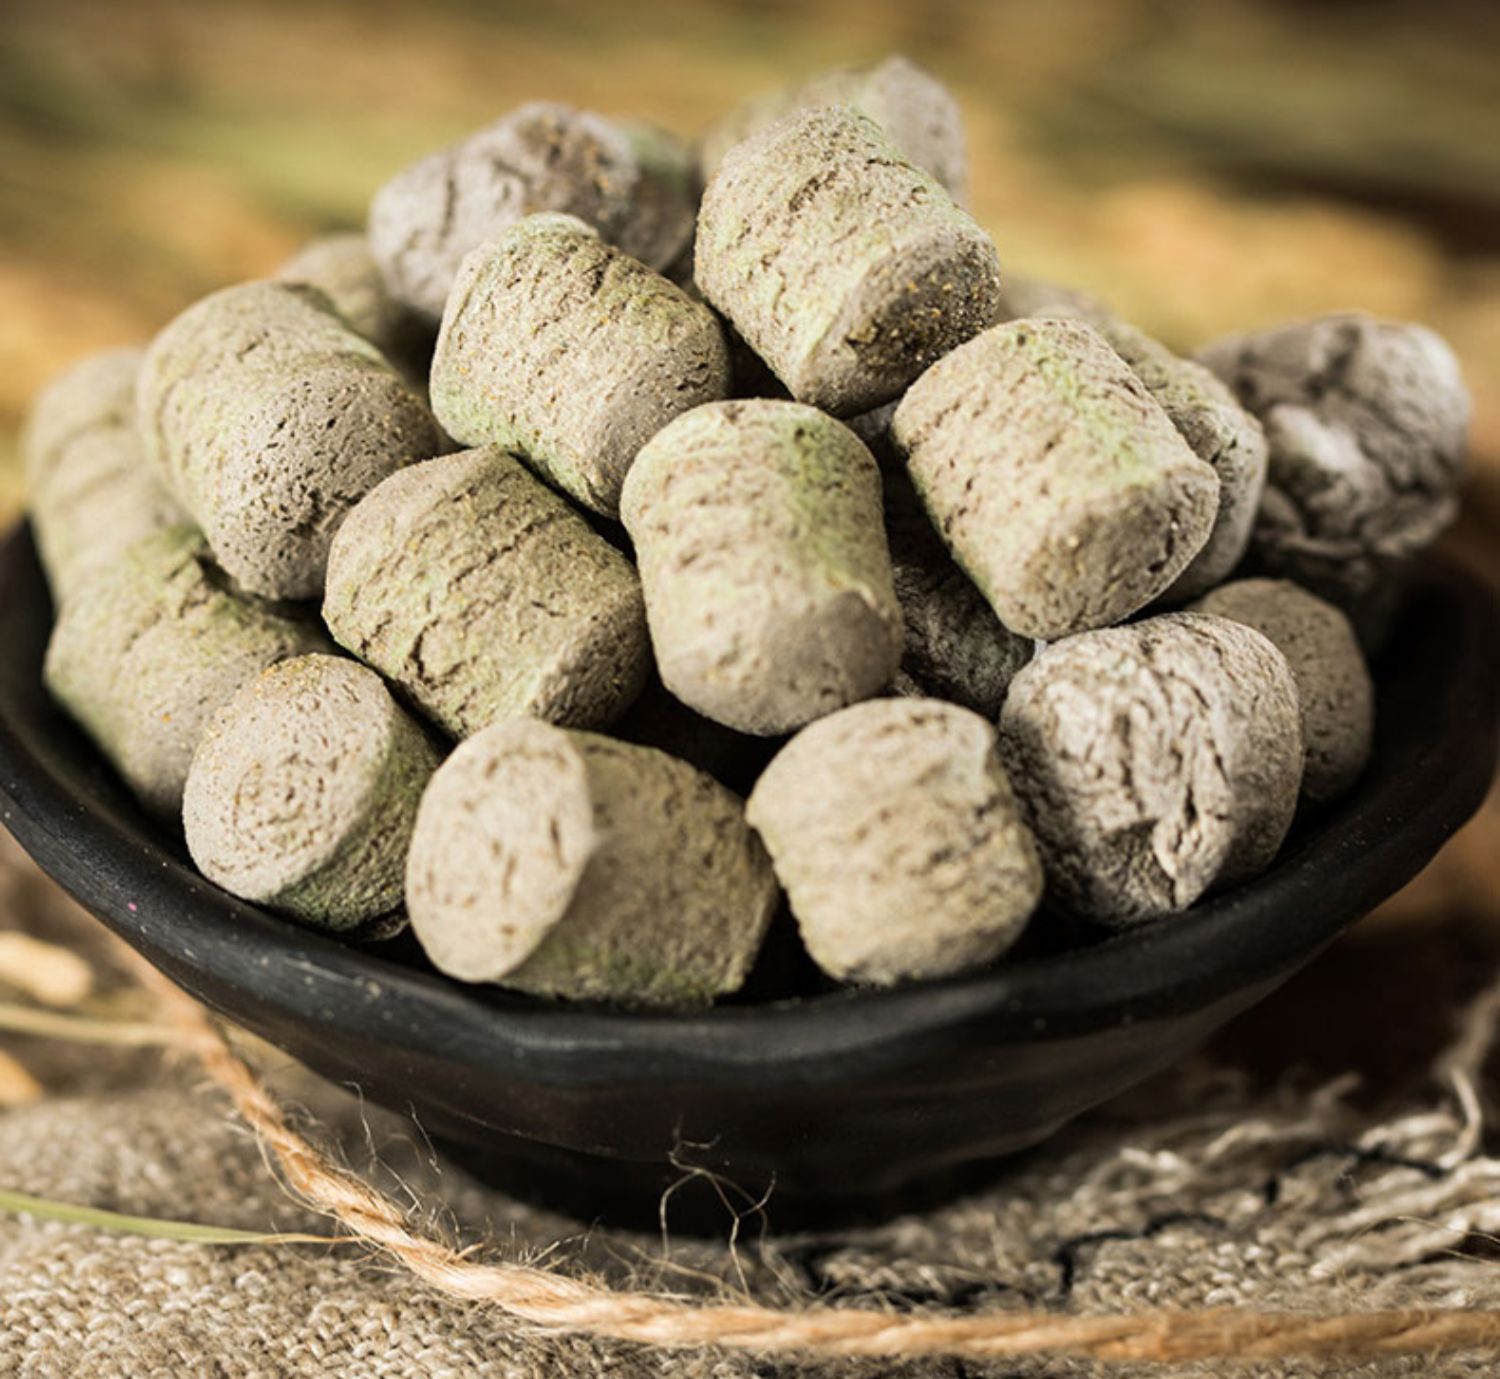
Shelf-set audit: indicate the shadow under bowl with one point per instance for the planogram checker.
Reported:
(839, 1097)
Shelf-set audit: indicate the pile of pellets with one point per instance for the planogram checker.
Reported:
(454, 573)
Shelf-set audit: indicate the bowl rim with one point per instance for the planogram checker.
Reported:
(151, 897)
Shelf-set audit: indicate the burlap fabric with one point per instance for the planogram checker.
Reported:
(1254, 1176)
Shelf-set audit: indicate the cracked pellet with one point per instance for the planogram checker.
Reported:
(893, 827)
(844, 267)
(91, 491)
(483, 595)
(1208, 416)
(757, 525)
(1155, 761)
(1333, 682)
(572, 354)
(567, 864)
(303, 793)
(1055, 478)
(148, 647)
(630, 182)
(270, 418)
(911, 105)
(1366, 422)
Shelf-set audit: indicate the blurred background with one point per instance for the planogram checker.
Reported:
(1204, 167)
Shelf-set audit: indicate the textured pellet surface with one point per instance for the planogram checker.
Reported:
(894, 830)
(1366, 423)
(303, 792)
(1206, 414)
(1155, 761)
(540, 157)
(483, 595)
(342, 267)
(567, 864)
(956, 647)
(149, 646)
(664, 209)
(572, 354)
(758, 530)
(844, 267)
(1056, 479)
(92, 492)
(915, 109)
(271, 418)
(1333, 682)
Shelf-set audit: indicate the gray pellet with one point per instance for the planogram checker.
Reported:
(1056, 479)
(913, 107)
(303, 793)
(757, 526)
(149, 646)
(566, 864)
(1366, 422)
(91, 490)
(572, 354)
(483, 595)
(893, 827)
(271, 418)
(633, 183)
(1155, 761)
(844, 267)
(1333, 682)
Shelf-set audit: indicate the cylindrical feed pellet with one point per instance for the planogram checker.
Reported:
(567, 864)
(1366, 422)
(146, 648)
(92, 492)
(1058, 482)
(271, 418)
(758, 530)
(303, 792)
(844, 267)
(1221, 432)
(542, 156)
(481, 594)
(913, 107)
(893, 827)
(572, 354)
(1155, 761)
(1333, 682)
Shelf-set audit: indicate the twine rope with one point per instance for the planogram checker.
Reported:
(553, 1302)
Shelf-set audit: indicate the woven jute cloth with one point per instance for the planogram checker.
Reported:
(1330, 1153)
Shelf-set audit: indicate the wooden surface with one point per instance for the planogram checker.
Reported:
(1205, 167)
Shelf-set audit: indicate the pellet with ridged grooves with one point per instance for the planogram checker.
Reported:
(572, 354)
(844, 267)
(483, 595)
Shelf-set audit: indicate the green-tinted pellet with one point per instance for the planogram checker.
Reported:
(271, 418)
(757, 525)
(1056, 479)
(481, 594)
(572, 354)
(91, 490)
(303, 792)
(149, 646)
(567, 864)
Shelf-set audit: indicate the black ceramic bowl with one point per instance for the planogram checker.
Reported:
(833, 1094)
